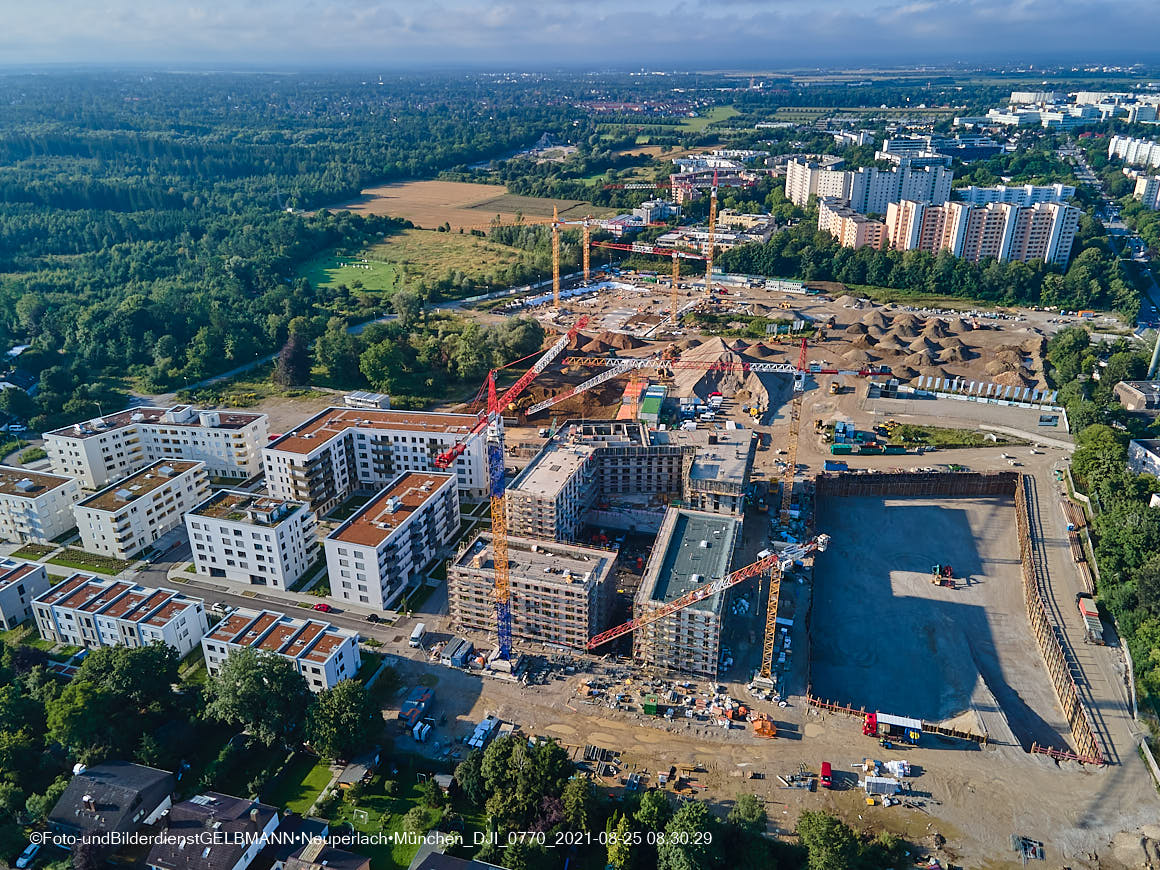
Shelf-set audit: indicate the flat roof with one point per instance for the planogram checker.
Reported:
(102, 595)
(118, 599)
(374, 522)
(117, 495)
(334, 421)
(136, 416)
(310, 639)
(547, 564)
(328, 641)
(38, 483)
(722, 455)
(13, 571)
(551, 468)
(235, 506)
(679, 563)
(64, 589)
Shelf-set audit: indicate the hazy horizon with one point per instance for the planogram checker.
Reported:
(520, 34)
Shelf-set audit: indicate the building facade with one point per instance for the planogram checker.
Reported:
(1148, 191)
(1044, 231)
(83, 610)
(108, 448)
(692, 548)
(35, 507)
(341, 450)
(851, 228)
(373, 556)
(20, 582)
(123, 519)
(1135, 152)
(867, 190)
(324, 654)
(561, 594)
(1144, 456)
(252, 539)
(1025, 195)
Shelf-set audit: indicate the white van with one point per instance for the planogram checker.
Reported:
(418, 634)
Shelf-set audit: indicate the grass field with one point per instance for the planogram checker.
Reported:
(300, 784)
(461, 204)
(70, 557)
(33, 551)
(717, 113)
(330, 270)
(426, 253)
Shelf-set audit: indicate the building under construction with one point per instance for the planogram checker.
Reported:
(560, 594)
(692, 548)
(623, 464)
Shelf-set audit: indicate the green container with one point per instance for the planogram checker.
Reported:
(841, 449)
(649, 705)
(871, 448)
(894, 448)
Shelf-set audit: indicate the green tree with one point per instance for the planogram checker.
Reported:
(748, 814)
(469, 778)
(38, 806)
(292, 368)
(17, 404)
(381, 364)
(142, 677)
(829, 843)
(654, 811)
(578, 800)
(342, 720)
(619, 848)
(407, 303)
(688, 843)
(261, 692)
(89, 721)
(338, 351)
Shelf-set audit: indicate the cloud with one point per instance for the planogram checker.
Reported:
(690, 34)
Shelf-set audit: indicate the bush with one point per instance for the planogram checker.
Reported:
(326, 804)
(420, 820)
(33, 454)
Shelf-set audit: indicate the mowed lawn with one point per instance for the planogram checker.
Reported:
(330, 270)
(300, 784)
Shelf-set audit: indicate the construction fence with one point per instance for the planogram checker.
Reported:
(981, 484)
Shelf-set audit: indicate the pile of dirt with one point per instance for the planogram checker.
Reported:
(922, 343)
(687, 344)
(904, 373)
(578, 341)
(876, 332)
(856, 329)
(619, 341)
(863, 341)
(1034, 346)
(1013, 379)
(935, 328)
(596, 346)
(906, 320)
(875, 318)
(952, 355)
(739, 346)
(858, 358)
(998, 366)
(954, 341)
(848, 301)
(761, 351)
(921, 359)
(892, 344)
(744, 385)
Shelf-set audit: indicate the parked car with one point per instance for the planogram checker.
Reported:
(220, 607)
(28, 855)
(373, 617)
(323, 606)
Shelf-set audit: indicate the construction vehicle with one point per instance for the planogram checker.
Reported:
(835, 388)
(774, 563)
(942, 575)
(491, 421)
(1091, 617)
(763, 726)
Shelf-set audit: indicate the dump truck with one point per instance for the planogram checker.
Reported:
(1091, 617)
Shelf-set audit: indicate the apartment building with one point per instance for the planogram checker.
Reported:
(1135, 152)
(323, 653)
(599, 462)
(1148, 191)
(1044, 231)
(692, 548)
(373, 556)
(561, 594)
(123, 519)
(1025, 195)
(851, 228)
(108, 448)
(83, 610)
(35, 507)
(341, 450)
(20, 582)
(868, 189)
(253, 539)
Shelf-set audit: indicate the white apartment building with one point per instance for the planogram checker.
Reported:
(1135, 152)
(108, 448)
(20, 582)
(123, 519)
(374, 555)
(35, 507)
(1025, 195)
(1044, 231)
(341, 450)
(252, 539)
(867, 189)
(1148, 191)
(90, 612)
(323, 653)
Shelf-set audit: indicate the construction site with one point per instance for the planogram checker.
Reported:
(673, 539)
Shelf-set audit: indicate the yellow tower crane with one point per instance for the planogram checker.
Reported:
(555, 257)
(712, 237)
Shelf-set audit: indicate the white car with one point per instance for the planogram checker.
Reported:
(28, 856)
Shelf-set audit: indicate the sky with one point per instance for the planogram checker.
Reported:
(587, 34)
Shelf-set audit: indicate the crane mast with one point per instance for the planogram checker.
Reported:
(587, 249)
(774, 562)
(712, 237)
(555, 257)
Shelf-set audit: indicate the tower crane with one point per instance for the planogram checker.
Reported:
(644, 248)
(712, 237)
(491, 420)
(774, 563)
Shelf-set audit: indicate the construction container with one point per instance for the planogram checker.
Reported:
(894, 449)
(870, 449)
(841, 449)
(649, 705)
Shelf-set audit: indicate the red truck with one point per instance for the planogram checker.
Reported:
(1091, 617)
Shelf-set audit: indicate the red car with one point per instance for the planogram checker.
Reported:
(827, 776)
(323, 606)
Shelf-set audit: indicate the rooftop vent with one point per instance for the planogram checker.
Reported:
(124, 494)
(393, 504)
(25, 484)
(137, 417)
(165, 471)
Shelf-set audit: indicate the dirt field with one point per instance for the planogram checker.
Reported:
(462, 204)
(886, 638)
